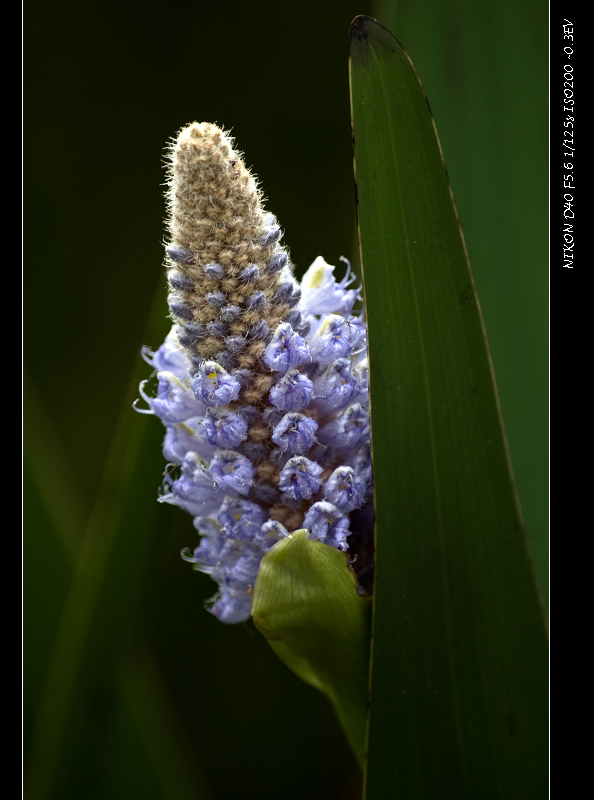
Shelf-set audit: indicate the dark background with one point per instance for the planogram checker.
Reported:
(147, 695)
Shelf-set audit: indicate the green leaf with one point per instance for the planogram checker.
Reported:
(306, 604)
(459, 652)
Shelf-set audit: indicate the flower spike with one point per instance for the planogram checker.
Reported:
(261, 383)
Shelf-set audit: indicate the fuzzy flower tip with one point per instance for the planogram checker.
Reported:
(261, 383)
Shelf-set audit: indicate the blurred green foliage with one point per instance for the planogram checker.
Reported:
(161, 700)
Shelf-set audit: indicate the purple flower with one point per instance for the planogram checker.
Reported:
(181, 438)
(337, 385)
(345, 489)
(174, 401)
(231, 472)
(295, 433)
(293, 392)
(322, 295)
(222, 428)
(270, 533)
(286, 349)
(348, 430)
(242, 519)
(193, 490)
(326, 523)
(214, 386)
(300, 478)
(335, 338)
(261, 383)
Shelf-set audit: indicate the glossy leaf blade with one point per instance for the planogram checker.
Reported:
(459, 653)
